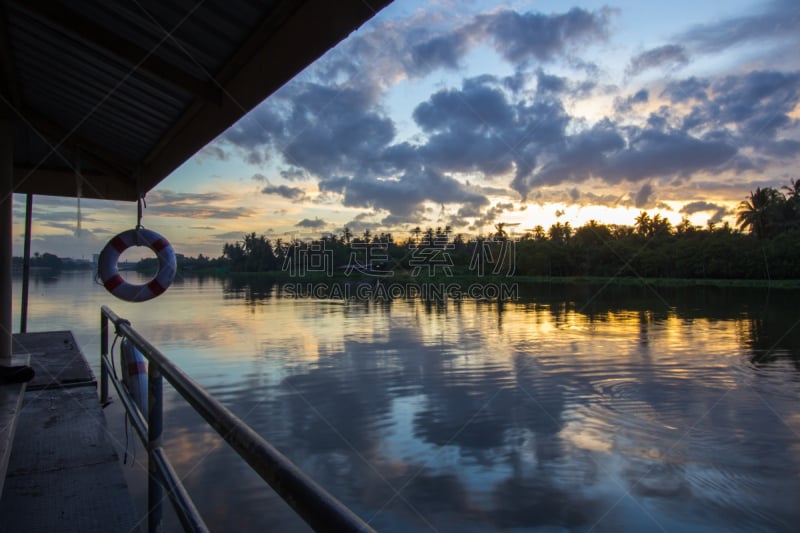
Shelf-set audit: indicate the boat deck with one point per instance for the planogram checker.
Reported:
(63, 472)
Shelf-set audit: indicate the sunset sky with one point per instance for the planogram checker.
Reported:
(470, 113)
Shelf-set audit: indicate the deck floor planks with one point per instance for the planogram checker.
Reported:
(64, 473)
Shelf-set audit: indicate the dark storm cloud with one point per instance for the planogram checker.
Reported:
(290, 193)
(781, 149)
(547, 83)
(533, 140)
(606, 151)
(294, 174)
(338, 134)
(254, 132)
(643, 195)
(359, 224)
(490, 215)
(758, 103)
(774, 20)
(443, 51)
(167, 203)
(625, 105)
(652, 153)
(336, 131)
(698, 207)
(570, 157)
(311, 223)
(749, 110)
(719, 212)
(520, 37)
(464, 151)
(469, 211)
(687, 89)
(667, 55)
(717, 217)
(516, 82)
(346, 144)
(475, 106)
(476, 128)
(402, 220)
(402, 196)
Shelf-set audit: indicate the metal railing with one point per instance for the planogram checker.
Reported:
(319, 509)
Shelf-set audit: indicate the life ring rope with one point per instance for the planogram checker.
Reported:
(116, 284)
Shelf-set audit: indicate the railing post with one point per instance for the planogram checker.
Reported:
(103, 355)
(155, 421)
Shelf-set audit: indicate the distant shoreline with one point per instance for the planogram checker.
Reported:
(466, 279)
(279, 277)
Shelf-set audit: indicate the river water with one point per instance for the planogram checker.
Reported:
(576, 407)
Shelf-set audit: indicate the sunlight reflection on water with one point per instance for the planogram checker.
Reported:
(570, 409)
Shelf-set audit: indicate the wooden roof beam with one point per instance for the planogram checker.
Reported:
(9, 89)
(99, 37)
(55, 182)
(101, 156)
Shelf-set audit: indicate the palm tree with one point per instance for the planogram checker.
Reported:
(758, 212)
(500, 233)
(416, 232)
(660, 226)
(643, 224)
(792, 190)
(559, 232)
(793, 201)
(538, 233)
(685, 227)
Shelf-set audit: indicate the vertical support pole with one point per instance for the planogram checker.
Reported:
(26, 264)
(6, 238)
(155, 421)
(103, 355)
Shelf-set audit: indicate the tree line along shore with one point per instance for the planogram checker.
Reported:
(764, 245)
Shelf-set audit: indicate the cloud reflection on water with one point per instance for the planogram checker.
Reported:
(624, 409)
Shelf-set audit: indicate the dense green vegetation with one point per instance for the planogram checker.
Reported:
(765, 246)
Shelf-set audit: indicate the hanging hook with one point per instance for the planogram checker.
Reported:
(140, 203)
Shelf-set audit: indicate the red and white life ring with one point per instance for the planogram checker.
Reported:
(116, 284)
(134, 373)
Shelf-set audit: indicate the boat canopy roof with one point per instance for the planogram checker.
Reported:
(127, 91)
